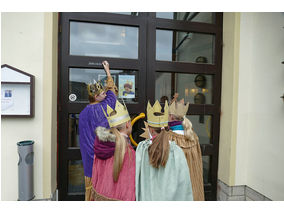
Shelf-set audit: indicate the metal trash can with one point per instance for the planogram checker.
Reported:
(26, 170)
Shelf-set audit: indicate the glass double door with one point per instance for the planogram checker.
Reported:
(151, 56)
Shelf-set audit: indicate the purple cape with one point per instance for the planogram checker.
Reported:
(90, 118)
(174, 123)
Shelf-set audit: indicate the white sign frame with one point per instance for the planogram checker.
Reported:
(17, 92)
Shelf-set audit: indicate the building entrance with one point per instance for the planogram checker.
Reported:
(156, 54)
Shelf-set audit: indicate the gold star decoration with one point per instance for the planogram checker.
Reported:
(146, 133)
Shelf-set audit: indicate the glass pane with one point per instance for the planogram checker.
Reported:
(206, 169)
(125, 80)
(76, 179)
(73, 133)
(184, 46)
(194, 88)
(201, 125)
(90, 39)
(127, 13)
(188, 16)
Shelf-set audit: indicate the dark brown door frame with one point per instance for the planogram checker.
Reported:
(214, 69)
(67, 61)
(147, 66)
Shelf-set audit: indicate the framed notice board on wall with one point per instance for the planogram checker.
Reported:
(17, 92)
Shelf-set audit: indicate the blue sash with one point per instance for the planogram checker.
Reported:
(177, 127)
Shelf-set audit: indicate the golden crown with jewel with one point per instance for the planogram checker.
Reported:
(155, 117)
(95, 89)
(177, 107)
(120, 114)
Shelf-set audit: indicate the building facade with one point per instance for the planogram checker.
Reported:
(238, 114)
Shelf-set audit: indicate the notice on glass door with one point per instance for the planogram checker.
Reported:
(126, 84)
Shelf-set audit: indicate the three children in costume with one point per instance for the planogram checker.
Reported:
(166, 166)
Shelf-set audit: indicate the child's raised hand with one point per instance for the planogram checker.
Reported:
(105, 65)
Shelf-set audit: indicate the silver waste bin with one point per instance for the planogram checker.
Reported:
(26, 170)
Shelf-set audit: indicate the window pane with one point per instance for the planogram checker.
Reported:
(194, 88)
(201, 125)
(125, 80)
(188, 16)
(127, 13)
(73, 133)
(76, 179)
(206, 169)
(90, 39)
(184, 46)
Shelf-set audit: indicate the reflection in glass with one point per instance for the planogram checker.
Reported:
(127, 13)
(188, 16)
(125, 80)
(91, 39)
(206, 169)
(201, 125)
(193, 88)
(184, 46)
(76, 179)
(73, 132)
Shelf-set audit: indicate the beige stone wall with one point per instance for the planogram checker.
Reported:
(229, 98)
(29, 43)
(252, 116)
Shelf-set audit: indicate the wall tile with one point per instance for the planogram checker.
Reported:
(237, 198)
(223, 196)
(238, 190)
(225, 188)
(238, 193)
(248, 199)
(254, 195)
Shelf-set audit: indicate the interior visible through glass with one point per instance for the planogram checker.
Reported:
(127, 13)
(188, 16)
(206, 169)
(201, 125)
(76, 179)
(194, 88)
(73, 131)
(125, 80)
(92, 39)
(184, 47)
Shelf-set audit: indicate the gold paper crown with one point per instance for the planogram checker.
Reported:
(120, 116)
(95, 89)
(160, 120)
(177, 107)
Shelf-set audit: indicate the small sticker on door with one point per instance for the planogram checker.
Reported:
(72, 97)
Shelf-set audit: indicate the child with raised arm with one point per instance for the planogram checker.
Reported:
(90, 118)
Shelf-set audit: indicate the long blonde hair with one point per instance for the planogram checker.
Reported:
(121, 145)
(187, 126)
(159, 149)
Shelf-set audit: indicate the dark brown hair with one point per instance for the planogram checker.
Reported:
(92, 99)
